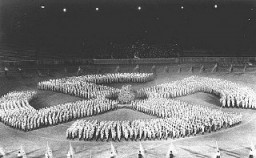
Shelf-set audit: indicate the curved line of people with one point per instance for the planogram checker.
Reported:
(16, 100)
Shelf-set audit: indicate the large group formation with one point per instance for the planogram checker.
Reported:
(231, 94)
(16, 100)
(16, 111)
(87, 86)
(30, 119)
(174, 118)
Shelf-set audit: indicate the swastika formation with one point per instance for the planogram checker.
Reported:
(175, 118)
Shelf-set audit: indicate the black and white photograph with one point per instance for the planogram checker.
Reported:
(127, 78)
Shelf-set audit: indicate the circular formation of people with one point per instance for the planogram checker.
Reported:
(175, 118)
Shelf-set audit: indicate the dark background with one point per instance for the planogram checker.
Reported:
(229, 28)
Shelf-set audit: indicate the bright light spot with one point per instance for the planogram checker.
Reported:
(251, 9)
(215, 6)
(139, 7)
(42, 6)
(97, 9)
(64, 10)
(182, 7)
(249, 19)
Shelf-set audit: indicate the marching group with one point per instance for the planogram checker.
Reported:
(16, 100)
(16, 112)
(120, 78)
(30, 119)
(231, 94)
(87, 86)
(175, 119)
(75, 86)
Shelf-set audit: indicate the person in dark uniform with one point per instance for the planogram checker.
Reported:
(19, 155)
(112, 155)
(171, 155)
(218, 154)
(140, 155)
(251, 154)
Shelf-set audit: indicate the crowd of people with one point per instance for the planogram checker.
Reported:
(175, 119)
(231, 94)
(87, 86)
(16, 100)
(30, 119)
(182, 118)
(76, 87)
(139, 49)
(16, 112)
(119, 78)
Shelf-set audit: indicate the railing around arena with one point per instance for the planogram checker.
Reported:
(181, 60)
(135, 61)
(48, 67)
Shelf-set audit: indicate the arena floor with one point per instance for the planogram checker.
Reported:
(233, 142)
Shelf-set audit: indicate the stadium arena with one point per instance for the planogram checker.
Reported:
(117, 79)
(233, 141)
